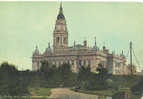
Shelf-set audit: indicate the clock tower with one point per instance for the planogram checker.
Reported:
(60, 35)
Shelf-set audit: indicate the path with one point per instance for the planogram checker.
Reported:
(66, 93)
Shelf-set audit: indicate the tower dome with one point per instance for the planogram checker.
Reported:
(48, 50)
(60, 16)
(36, 52)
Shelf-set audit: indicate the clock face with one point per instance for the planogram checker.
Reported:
(58, 27)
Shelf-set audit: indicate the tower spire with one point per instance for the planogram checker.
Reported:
(61, 8)
(60, 15)
(95, 41)
(122, 52)
(49, 45)
(36, 52)
(74, 43)
(36, 47)
(131, 57)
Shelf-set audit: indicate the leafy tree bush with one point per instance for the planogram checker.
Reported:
(10, 82)
(14, 82)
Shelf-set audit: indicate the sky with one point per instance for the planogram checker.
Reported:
(23, 25)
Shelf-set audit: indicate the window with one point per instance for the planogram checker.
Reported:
(89, 62)
(118, 64)
(80, 62)
(103, 63)
(72, 62)
(57, 39)
(65, 40)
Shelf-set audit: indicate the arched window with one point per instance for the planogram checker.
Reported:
(65, 40)
(80, 62)
(89, 62)
(72, 62)
(57, 39)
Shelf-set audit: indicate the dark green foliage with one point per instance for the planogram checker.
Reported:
(83, 77)
(10, 81)
(87, 80)
(137, 89)
(52, 76)
(14, 82)
(66, 75)
(102, 72)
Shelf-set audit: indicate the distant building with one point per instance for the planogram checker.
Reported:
(79, 54)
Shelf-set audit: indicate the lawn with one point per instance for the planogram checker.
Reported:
(99, 92)
(36, 92)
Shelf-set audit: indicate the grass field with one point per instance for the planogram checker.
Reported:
(37, 92)
(101, 92)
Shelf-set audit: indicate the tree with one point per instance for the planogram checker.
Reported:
(84, 72)
(102, 72)
(44, 66)
(84, 77)
(65, 75)
(137, 89)
(9, 81)
(8, 68)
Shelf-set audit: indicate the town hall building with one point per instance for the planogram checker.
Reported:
(79, 54)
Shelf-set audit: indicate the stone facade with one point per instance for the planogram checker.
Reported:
(78, 54)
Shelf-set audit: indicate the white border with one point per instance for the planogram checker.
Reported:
(77, 0)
